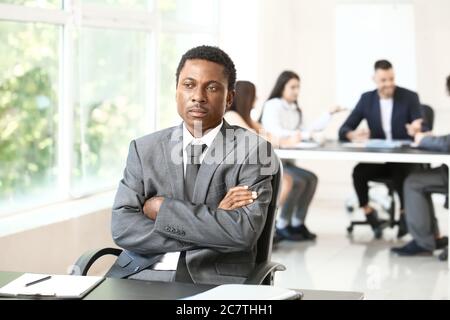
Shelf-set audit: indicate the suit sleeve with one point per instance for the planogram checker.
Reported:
(353, 120)
(441, 144)
(222, 230)
(131, 229)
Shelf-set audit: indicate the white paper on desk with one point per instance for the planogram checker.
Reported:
(354, 144)
(387, 144)
(306, 145)
(246, 292)
(377, 144)
(59, 286)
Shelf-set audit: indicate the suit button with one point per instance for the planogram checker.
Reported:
(167, 228)
(183, 233)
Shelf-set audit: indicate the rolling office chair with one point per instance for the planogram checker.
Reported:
(264, 270)
(390, 209)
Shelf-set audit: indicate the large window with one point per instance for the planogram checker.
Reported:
(121, 3)
(79, 81)
(194, 12)
(28, 112)
(109, 104)
(51, 4)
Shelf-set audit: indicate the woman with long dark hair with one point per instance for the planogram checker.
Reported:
(239, 115)
(282, 117)
(239, 112)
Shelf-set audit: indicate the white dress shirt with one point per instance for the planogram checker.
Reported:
(386, 106)
(282, 119)
(169, 261)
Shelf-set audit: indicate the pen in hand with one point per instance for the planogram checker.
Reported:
(37, 281)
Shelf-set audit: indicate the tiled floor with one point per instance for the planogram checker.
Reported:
(360, 263)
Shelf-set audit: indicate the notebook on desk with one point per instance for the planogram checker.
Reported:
(44, 285)
(247, 292)
(378, 144)
(387, 144)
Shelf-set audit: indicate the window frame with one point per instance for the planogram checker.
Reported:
(72, 17)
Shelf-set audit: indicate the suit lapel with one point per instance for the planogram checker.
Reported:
(173, 155)
(220, 148)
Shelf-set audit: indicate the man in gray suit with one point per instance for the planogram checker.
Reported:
(420, 216)
(193, 200)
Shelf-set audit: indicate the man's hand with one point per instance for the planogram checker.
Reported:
(419, 136)
(414, 127)
(291, 140)
(336, 109)
(237, 197)
(151, 207)
(360, 135)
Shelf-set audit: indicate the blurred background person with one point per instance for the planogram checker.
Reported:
(387, 110)
(239, 115)
(420, 215)
(282, 118)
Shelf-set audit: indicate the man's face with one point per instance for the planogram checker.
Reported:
(385, 81)
(202, 95)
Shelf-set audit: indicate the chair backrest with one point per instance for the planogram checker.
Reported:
(264, 245)
(428, 116)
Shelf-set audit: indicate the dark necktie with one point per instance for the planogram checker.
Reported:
(193, 153)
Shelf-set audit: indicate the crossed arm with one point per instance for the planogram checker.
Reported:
(235, 198)
(162, 224)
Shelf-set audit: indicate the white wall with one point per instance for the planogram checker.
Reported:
(300, 35)
(55, 248)
(433, 57)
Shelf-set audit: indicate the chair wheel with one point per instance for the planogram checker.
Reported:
(349, 209)
(444, 255)
(378, 233)
(350, 230)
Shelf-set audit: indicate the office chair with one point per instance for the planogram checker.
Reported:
(443, 256)
(428, 117)
(264, 270)
(427, 125)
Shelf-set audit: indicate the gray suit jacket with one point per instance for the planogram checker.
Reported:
(220, 244)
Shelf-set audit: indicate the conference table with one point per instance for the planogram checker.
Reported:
(335, 151)
(124, 289)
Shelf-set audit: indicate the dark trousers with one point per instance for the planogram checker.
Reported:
(365, 172)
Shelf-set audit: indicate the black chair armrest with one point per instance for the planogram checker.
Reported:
(263, 270)
(81, 267)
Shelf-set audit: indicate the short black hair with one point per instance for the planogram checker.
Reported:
(448, 84)
(383, 65)
(213, 54)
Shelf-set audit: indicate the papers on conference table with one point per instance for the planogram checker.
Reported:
(246, 292)
(306, 145)
(378, 144)
(43, 285)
